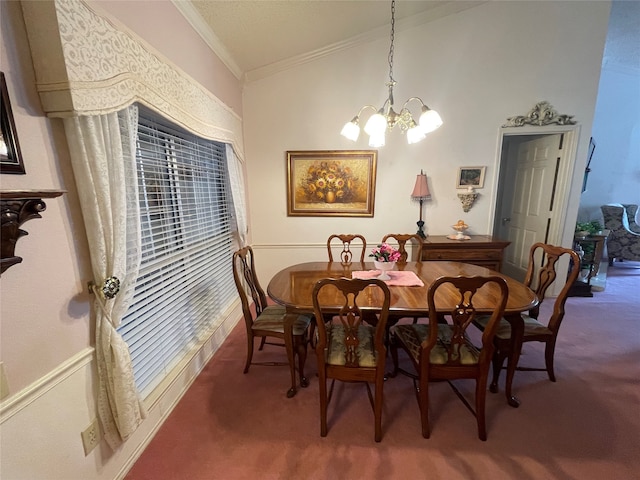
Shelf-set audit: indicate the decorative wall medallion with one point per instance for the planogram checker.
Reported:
(542, 114)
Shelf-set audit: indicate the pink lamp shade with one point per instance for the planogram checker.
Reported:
(421, 189)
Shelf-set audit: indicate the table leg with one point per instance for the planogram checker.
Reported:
(517, 332)
(288, 341)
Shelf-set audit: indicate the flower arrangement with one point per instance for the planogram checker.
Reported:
(330, 182)
(385, 253)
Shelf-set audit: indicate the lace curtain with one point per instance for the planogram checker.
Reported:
(102, 149)
(236, 177)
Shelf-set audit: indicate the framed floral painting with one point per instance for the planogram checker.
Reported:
(331, 183)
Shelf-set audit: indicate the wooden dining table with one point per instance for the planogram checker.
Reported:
(293, 286)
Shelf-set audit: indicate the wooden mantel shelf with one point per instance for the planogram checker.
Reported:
(18, 206)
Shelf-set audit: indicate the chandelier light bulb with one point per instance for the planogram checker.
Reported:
(376, 125)
(429, 120)
(415, 133)
(376, 141)
(351, 130)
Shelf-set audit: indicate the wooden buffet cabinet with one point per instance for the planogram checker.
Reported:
(482, 250)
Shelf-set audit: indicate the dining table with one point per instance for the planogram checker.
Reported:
(409, 282)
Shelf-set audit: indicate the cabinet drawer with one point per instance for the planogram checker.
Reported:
(461, 255)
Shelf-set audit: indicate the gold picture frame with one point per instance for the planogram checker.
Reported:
(331, 183)
(470, 177)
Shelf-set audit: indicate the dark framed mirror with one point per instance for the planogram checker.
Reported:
(10, 156)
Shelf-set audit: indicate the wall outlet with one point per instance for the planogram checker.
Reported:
(91, 436)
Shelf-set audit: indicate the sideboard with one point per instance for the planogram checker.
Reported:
(482, 250)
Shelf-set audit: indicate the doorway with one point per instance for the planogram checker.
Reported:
(535, 168)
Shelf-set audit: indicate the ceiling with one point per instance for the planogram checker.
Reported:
(259, 33)
(254, 35)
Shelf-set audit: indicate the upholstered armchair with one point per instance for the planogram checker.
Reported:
(622, 243)
(631, 216)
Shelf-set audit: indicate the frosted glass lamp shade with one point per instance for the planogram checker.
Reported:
(429, 120)
(351, 131)
(376, 125)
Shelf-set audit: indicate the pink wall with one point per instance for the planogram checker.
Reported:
(163, 27)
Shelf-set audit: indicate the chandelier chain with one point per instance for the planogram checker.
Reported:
(390, 58)
(392, 36)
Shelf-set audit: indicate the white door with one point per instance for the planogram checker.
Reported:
(527, 206)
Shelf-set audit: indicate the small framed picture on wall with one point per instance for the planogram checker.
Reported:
(470, 177)
(10, 156)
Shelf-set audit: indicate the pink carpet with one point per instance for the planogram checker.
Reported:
(584, 426)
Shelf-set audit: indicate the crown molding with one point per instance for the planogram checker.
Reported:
(200, 26)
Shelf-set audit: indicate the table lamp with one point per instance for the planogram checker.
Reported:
(421, 193)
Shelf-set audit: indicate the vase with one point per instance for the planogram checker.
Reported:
(384, 267)
(330, 197)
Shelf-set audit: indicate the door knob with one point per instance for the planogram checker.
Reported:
(505, 220)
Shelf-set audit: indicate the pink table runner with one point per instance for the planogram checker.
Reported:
(398, 277)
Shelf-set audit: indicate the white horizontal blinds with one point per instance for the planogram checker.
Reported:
(186, 279)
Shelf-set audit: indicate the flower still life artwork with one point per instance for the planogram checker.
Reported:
(331, 183)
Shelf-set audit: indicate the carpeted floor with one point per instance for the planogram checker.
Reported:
(585, 426)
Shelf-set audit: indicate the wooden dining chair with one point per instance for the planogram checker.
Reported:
(539, 279)
(264, 321)
(402, 239)
(347, 348)
(346, 254)
(442, 349)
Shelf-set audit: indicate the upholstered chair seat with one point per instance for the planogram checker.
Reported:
(413, 335)
(622, 243)
(337, 349)
(532, 327)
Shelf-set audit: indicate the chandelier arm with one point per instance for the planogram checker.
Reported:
(413, 98)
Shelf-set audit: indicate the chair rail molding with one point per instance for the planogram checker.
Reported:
(18, 206)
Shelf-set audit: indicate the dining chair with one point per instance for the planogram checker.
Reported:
(264, 321)
(443, 350)
(346, 254)
(348, 349)
(402, 239)
(547, 257)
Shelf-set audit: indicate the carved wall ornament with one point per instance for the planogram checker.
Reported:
(467, 200)
(18, 206)
(540, 115)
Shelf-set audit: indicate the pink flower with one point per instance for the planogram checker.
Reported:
(385, 253)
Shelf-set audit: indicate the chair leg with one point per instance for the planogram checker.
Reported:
(378, 405)
(393, 347)
(249, 352)
(549, 350)
(262, 342)
(423, 396)
(302, 358)
(322, 383)
(497, 361)
(481, 397)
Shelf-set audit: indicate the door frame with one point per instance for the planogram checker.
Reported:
(558, 223)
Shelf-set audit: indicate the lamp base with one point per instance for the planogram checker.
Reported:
(420, 231)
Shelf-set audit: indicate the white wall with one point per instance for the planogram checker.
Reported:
(615, 167)
(476, 68)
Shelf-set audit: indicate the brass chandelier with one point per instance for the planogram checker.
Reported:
(387, 118)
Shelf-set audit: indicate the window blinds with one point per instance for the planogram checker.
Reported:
(186, 280)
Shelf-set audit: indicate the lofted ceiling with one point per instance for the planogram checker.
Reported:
(254, 34)
(261, 35)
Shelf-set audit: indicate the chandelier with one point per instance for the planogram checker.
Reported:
(387, 118)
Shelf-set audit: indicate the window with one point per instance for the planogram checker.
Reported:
(185, 282)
